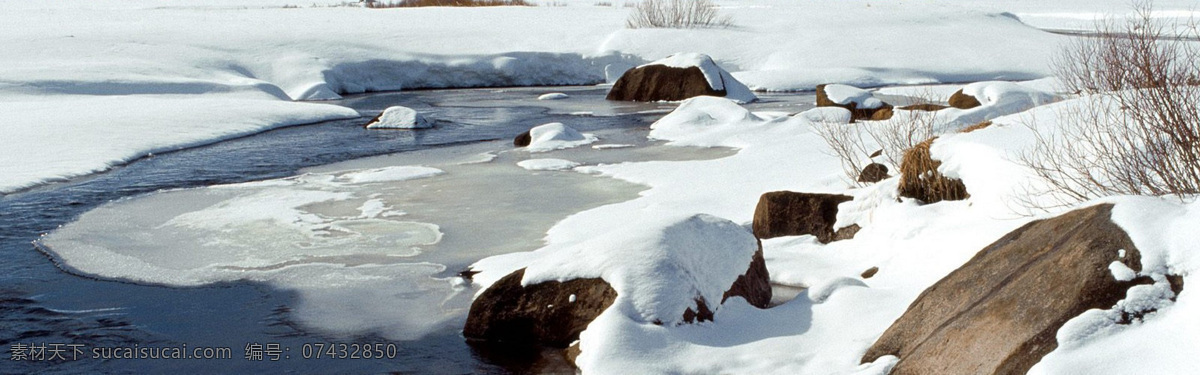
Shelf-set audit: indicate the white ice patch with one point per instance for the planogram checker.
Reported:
(556, 136)
(846, 94)
(612, 146)
(388, 174)
(398, 117)
(553, 96)
(547, 164)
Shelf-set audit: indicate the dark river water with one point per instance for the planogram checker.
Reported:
(48, 310)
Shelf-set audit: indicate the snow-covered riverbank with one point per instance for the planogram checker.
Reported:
(92, 84)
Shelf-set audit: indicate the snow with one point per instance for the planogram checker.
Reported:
(844, 95)
(548, 164)
(553, 96)
(91, 85)
(399, 117)
(718, 79)
(556, 136)
(123, 64)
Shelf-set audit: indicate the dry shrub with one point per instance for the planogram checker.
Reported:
(444, 3)
(975, 127)
(856, 145)
(920, 179)
(676, 14)
(1139, 131)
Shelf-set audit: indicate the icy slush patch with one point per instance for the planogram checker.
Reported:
(547, 164)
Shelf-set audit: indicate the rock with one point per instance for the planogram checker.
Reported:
(676, 78)
(553, 313)
(661, 83)
(870, 272)
(537, 314)
(963, 101)
(861, 104)
(398, 117)
(522, 139)
(785, 213)
(999, 313)
(755, 284)
(920, 179)
(873, 172)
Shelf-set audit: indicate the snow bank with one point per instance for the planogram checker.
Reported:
(717, 78)
(399, 117)
(555, 136)
(845, 94)
(547, 164)
(696, 120)
(54, 138)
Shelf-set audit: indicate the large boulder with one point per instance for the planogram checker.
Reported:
(999, 313)
(786, 213)
(679, 275)
(920, 179)
(551, 313)
(676, 78)
(861, 103)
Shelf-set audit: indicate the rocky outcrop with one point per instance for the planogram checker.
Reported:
(873, 172)
(963, 101)
(858, 110)
(999, 313)
(550, 313)
(755, 284)
(785, 213)
(661, 83)
(920, 179)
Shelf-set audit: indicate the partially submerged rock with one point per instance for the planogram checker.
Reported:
(999, 312)
(861, 103)
(920, 179)
(679, 77)
(398, 117)
(786, 213)
(552, 136)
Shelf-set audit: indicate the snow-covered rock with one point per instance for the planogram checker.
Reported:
(554, 136)
(861, 103)
(678, 77)
(399, 117)
(697, 121)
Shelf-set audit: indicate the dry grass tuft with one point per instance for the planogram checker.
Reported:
(975, 127)
(676, 14)
(919, 177)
